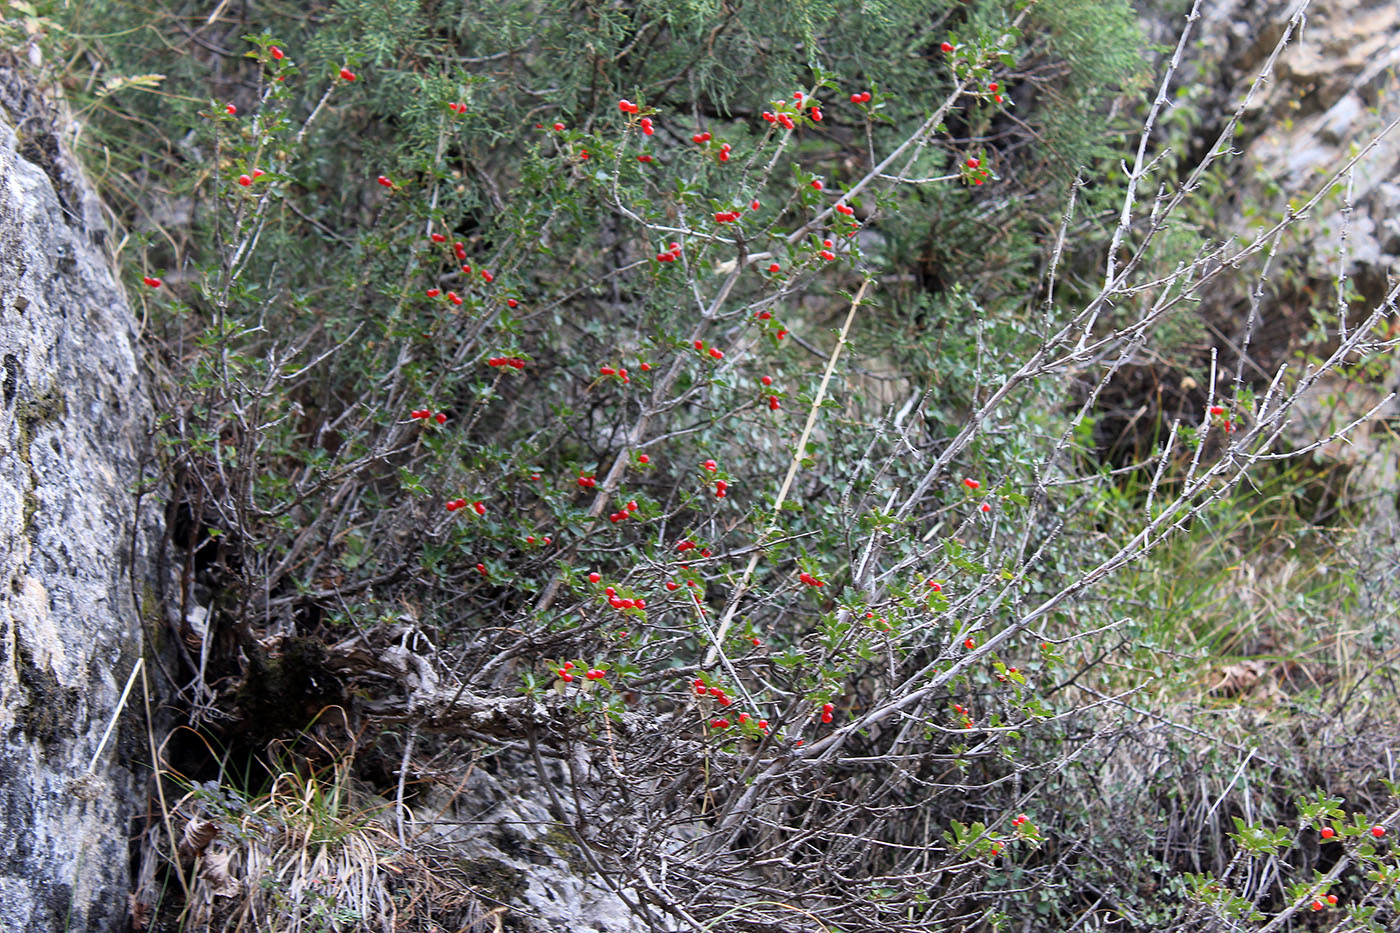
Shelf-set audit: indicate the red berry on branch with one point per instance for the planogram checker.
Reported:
(383, 180)
(972, 484)
(276, 53)
(773, 403)
(559, 127)
(245, 180)
(347, 75)
(1327, 832)
(231, 110)
(151, 281)
(946, 47)
(440, 417)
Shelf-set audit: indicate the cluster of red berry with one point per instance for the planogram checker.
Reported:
(810, 580)
(967, 722)
(619, 374)
(671, 254)
(976, 172)
(1217, 414)
(623, 512)
(514, 362)
(423, 414)
(477, 507)
(827, 710)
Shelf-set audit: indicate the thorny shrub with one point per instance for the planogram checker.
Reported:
(786, 571)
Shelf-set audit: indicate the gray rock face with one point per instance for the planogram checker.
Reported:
(73, 423)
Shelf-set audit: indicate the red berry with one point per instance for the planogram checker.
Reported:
(440, 417)
(774, 268)
(347, 75)
(438, 238)
(383, 180)
(972, 483)
(643, 459)
(973, 162)
(625, 105)
(817, 183)
(827, 254)
(970, 644)
(1331, 898)
(816, 114)
(1317, 905)
(151, 281)
(245, 180)
(566, 676)
(1378, 831)
(276, 53)
(511, 303)
(717, 353)
(773, 403)
(672, 585)
(710, 465)
(985, 507)
(558, 127)
(230, 110)
(993, 87)
(454, 298)
(946, 47)
(855, 98)
(1217, 409)
(643, 158)
(479, 508)
(1327, 832)
(767, 380)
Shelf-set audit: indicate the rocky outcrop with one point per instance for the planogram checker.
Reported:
(73, 543)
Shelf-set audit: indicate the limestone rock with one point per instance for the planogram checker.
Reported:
(73, 547)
